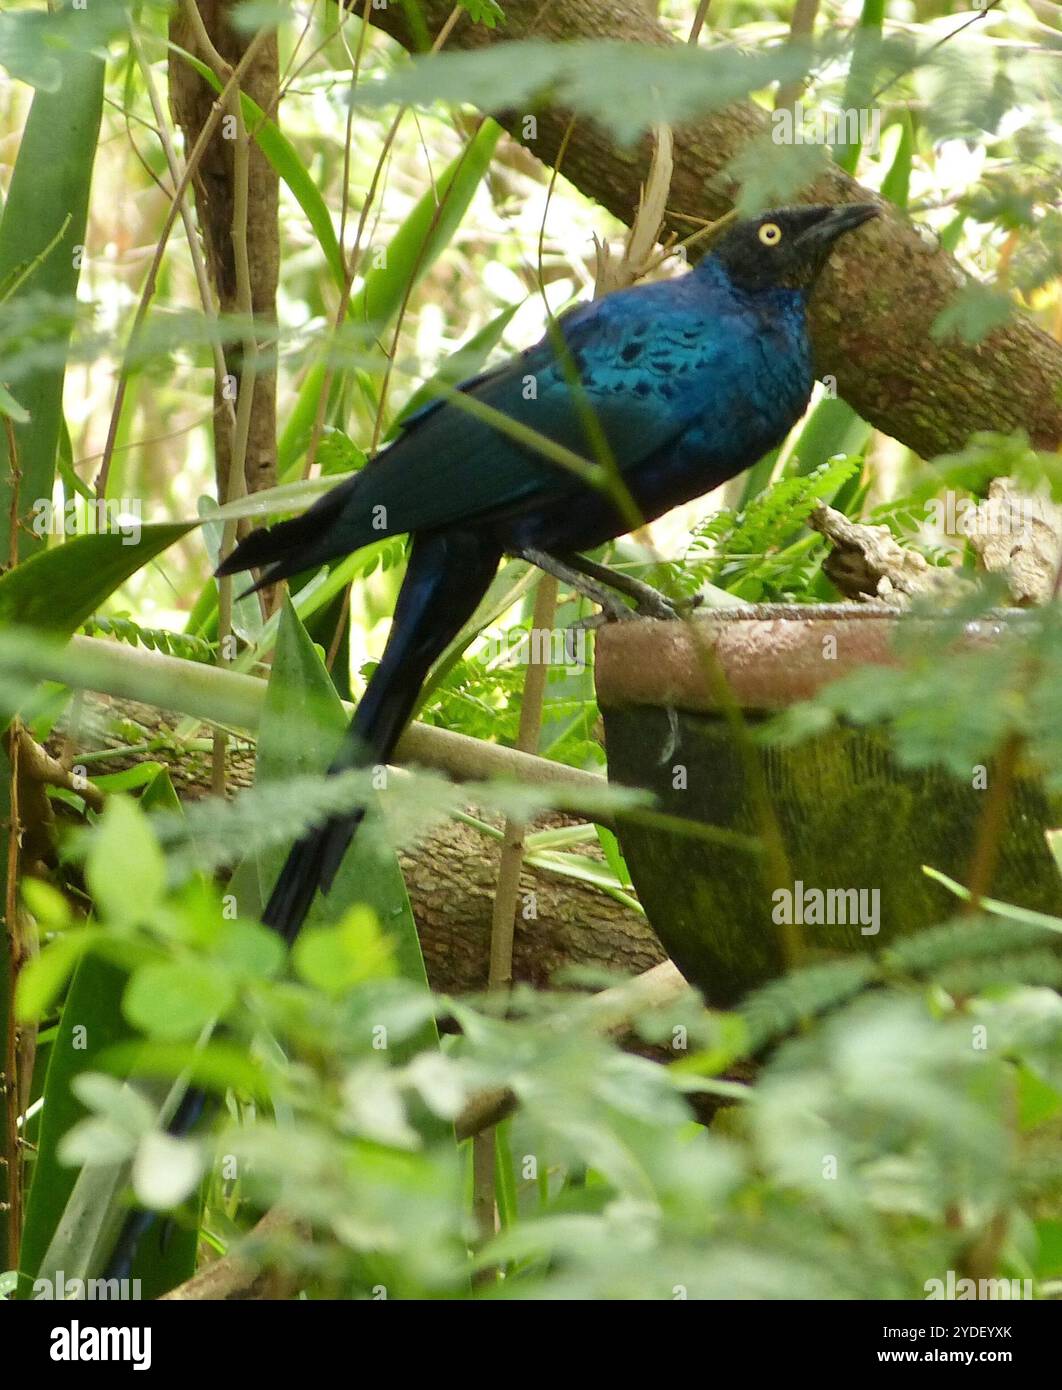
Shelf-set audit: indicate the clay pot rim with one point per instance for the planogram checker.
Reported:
(773, 655)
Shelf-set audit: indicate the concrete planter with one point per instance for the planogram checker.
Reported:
(851, 819)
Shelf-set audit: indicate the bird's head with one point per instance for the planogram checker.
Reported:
(786, 246)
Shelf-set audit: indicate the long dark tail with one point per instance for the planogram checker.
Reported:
(302, 543)
(448, 574)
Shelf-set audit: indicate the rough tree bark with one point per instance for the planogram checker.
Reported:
(451, 877)
(450, 874)
(872, 317)
(192, 98)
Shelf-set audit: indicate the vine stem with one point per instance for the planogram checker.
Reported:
(506, 893)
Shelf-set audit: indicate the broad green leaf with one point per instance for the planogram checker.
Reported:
(9, 406)
(175, 1000)
(298, 683)
(50, 187)
(115, 1101)
(413, 250)
(90, 1024)
(218, 1066)
(336, 958)
(126, 869)
(972, 313)
(285, 160)
(859, 88)
(248, 948)
(43, 978)
(274, 501)
(35, 44)
(57, 589)
(897, 182)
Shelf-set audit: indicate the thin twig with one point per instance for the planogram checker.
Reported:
(15, 475)
(698, 21)
(146, 295)
(506, 893)
(9, 1082)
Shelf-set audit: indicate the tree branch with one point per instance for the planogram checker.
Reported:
(872, 318)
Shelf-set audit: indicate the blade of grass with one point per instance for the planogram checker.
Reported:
(49, 190)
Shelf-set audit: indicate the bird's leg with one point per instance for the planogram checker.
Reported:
(647, 600)
(582, 583)
(594, 581)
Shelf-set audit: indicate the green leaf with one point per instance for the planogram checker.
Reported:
(50, 188)
(218, 1066)
(1037, 1101)
(274, 501)
(43, 978)
(336, 958)
(114, 1101)
(287, 165)
(1049, 1257)
(412, 251)
(91, 1023)
(46, 903)
(58, 589)
(897, 182)
(175, 1000)
(130, 778)
(251, 15)
(673, 83)
(972, 313)
(994, 906)
(10, 407)
(298, 683)
(485, 12)
(126, 869)
(35, 45)
(96, 1142)
(249, 949)
(772, 175)
(859, 88)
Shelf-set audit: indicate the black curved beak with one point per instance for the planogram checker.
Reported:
(835, 222)
(817, 240)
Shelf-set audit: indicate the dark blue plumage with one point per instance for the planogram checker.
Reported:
(689, 382)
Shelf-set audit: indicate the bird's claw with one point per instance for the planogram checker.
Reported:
(650, 604)
(612, 612)
(654, 605)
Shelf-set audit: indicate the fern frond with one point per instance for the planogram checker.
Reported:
(157, 639)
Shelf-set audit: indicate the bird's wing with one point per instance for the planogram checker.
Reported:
(642, 364)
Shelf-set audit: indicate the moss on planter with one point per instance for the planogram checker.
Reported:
(850, 818)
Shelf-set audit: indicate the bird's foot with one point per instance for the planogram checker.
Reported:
(658, 608)
(601, 585)
(611, 612)
(651, 603)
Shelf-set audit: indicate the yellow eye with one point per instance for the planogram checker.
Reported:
(770, 234)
